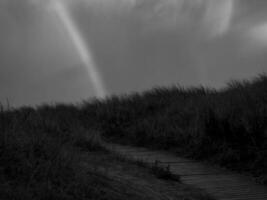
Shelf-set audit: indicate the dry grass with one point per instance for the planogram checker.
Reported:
(227, 126)
(46, 153)
(41, 148)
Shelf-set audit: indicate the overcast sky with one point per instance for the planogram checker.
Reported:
(135, 44)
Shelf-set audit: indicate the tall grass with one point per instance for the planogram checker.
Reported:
(55, 153)
(227, 126)
(39, 155)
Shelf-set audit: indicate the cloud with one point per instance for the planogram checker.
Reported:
(137, 44)
(260, 33)
(33, 47)
(256, 36)
(250, 25)
(207, 17)
(218, 16)
(21, 12)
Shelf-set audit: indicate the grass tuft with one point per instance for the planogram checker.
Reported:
(163, 172)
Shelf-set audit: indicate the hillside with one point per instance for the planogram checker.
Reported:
(45, 153)
(227, 127)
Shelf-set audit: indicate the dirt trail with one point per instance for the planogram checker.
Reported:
(220, 183)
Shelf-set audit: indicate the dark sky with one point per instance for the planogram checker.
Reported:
(136, 45)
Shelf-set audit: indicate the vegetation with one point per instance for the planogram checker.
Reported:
(227, 126)
(164, 172)
(48, 153)
(56, 152)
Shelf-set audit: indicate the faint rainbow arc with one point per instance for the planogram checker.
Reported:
(80, 45)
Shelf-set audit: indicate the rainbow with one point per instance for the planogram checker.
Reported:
(81, 46)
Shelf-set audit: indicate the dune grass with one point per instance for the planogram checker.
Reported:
(42, 149)
(226, 126)
(47, 153)
(40, 158)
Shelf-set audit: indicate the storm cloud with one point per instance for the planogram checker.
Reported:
(136, 44)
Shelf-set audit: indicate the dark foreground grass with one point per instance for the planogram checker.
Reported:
(227, 126)
(41, 161)
(47, 153)
(41, 149)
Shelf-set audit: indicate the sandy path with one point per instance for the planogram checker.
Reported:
(220, 183)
